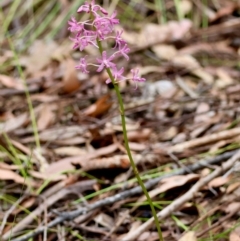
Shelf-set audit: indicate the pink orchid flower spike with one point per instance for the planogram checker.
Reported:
(97, 29)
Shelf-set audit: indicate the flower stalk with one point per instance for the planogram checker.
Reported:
(91, 33)
(134, 167)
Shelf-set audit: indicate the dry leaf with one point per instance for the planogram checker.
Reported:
(233, 207)
(150, 69)
(224, 79)
(179, 29)
(186, 61)
(172, 182)
(138, 135)
(13, 123)
(215, 147)
(104, 220)
(232, 187)
(190, 63)
(134, 146)
(70, 78)
(205, 76)
(8, 167)
(46, 116)
(22, 148)
(153, 33)
(165, 52)
(117, 161)
(189, 236)
(25, 205)
(207, 11)
(61, 133)
(134, 225)
(215, 48)
(100, 107)
(7, 115)
(70, 151)
(234, 236)
(44, 98)
(10, 175)
(71, 141)
(218, 182)
(180, 137)
(202, 108)
(149, 236)
(131, 126)
(186, 86)
(66, 163)
(11, 82)
(169, 134)
(45, 176)
(226, 10)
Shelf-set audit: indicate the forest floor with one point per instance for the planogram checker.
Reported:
(64, 170)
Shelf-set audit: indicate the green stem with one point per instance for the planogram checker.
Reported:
(29, 101)
(178, 10)
(134, 167)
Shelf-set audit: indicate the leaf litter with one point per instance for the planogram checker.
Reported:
(187, 110)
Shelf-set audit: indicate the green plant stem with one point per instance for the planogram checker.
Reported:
(178, 10)
(28, 97)
(161, 11)
(22, 76)
(134, 167)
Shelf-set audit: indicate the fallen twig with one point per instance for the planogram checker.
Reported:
(9, 92)
(120, 196)
(183, 199)
(205, 140)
